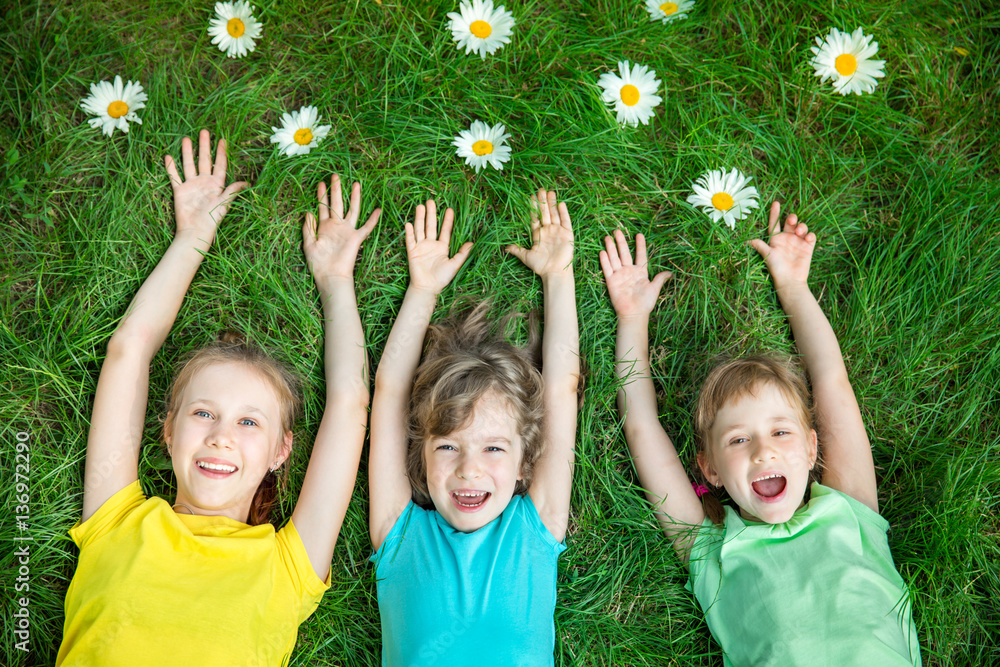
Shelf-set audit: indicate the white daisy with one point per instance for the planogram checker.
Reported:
(845, 59)
(668, 11)
(633, 94)
(299, 132)
(481, 28)
(114, 105)
(482, 144)
(724, 196)
(234, 28)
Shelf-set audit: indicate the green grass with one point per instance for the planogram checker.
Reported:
(901, 187)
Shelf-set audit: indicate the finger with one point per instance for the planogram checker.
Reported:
(418, 223)
(221, 161)
(309, 229)
(204, 153)
(175, 178)
(660, 278)
(336, 197)
(354, 213)
(606, 265)
(187, 158)
(553, 205)
(232, 189)
(612, 252)
(543, 208)
(462, 255)
(623, 250)
(324, 202)
(534, 210)
(762, 248)
(640, 250)
(564, 216)
(772, 219)
(366, 229)
(431, 221)
(446, 224)
(411, 239)
(519, 252)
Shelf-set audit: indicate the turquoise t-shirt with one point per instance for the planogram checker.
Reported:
(482, 598)
(820, 589)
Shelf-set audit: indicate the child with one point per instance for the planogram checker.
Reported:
(786, 581)
(471, 463)
(194, 584)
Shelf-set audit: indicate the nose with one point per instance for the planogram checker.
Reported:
(221, 436)
(764, 451)
(468, 467)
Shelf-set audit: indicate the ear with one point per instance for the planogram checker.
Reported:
(813, 446)
(284, 449)
(168, 430)
(707, 469)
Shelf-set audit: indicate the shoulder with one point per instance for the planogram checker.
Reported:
(123, 506)
(523, 513)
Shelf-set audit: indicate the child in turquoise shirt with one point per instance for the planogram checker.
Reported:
(471, 462)
(802, 573)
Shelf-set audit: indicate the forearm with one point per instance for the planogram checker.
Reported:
(637, 394)
(345, 357)
(154, 309)
(561, 339)
(402, 350)
(814, 337)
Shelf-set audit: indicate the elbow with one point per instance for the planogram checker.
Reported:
(132, 340)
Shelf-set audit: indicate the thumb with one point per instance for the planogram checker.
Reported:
(230, 192)
(660, 279)
(761, 247)
(519, 252)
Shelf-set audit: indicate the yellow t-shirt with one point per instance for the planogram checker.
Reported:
(154, 587)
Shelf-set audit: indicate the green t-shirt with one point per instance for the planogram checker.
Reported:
(820, 589)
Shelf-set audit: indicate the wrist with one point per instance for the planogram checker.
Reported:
(791, 288)
(201, 239)
(557, 278)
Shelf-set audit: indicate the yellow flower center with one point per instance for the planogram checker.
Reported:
(481, 29)
(482, 147)
(235, 27)
(722, 201)
(303, 136)
(630, 94)
(117, 109)
(846, 64)
(668, 8)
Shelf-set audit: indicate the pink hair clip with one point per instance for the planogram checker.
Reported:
(700, 489)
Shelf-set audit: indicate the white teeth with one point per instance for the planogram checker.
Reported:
(471, 495)
(761, 479)
(216, 466)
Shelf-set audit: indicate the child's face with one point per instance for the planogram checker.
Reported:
(760, 451)
(224, 437)
(472, 472)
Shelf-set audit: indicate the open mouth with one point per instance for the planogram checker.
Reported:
(769, 487)
(217, 470)
(470, 501)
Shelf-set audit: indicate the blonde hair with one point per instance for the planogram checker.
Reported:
(733, 380)
(233, 348)
(466, 357)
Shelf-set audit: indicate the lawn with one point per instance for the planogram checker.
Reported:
(901, 186)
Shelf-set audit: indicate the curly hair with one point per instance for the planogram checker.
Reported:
(735, 379)
(465, 357)
(232, 347)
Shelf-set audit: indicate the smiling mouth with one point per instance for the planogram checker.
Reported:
(216, 468)
(470, 500)
(769, 486)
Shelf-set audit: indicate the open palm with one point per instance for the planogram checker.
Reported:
(332, 247)
(632, 292)
(788, 252)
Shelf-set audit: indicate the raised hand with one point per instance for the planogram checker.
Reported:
(427, 249)
(789, 252)
(332, 247)
(201, 198)
(551, 249)
(632, 292)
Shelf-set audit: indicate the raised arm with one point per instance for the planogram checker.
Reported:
(430, 272)
(200, 202)
(551, 257)
(331, 250)
(847, 455)
(661, 473)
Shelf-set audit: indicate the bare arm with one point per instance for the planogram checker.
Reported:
(661, 473)
(430, 272)
(847, 456)
(331, 250)
(551, 257)
(200, 202)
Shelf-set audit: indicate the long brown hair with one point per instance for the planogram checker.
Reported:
(234, 348)
(465, 357)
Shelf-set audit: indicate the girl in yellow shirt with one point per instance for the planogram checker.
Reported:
(206, 579)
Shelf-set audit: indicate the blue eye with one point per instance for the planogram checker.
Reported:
(202, 413)
(248, 422)
(492, 448)
(445, 447)
(781, 432)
